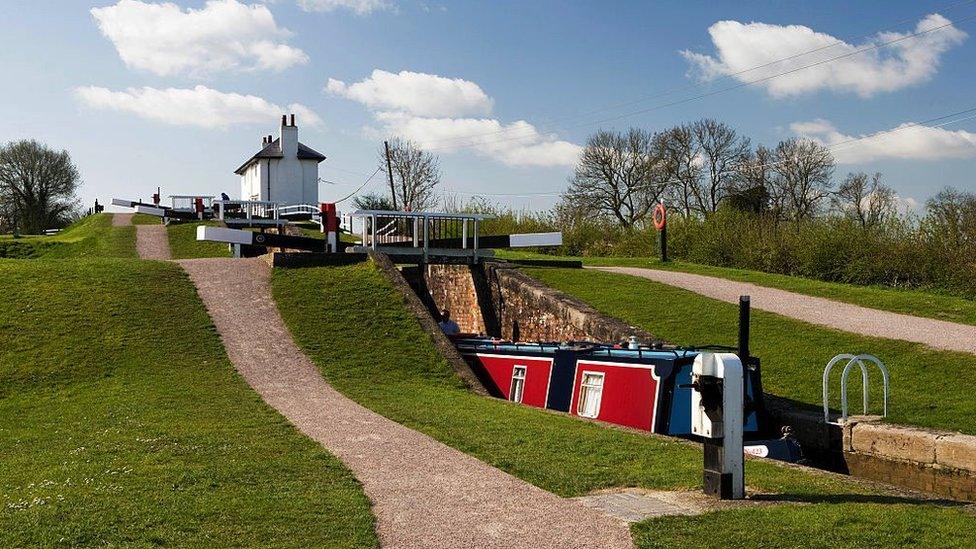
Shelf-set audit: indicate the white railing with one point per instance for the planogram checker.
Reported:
(246, 209)
(382, 227)
(188, 202)
(298, 209)
(853, 360)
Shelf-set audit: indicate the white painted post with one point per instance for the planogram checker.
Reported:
(426, 234)
(373, 219)
(416, 231)
(365, 231)
(464, 234)
(476, 237)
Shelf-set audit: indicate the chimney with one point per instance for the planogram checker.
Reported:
(293, 120)
(289, 139)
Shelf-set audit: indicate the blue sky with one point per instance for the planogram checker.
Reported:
(145, 94)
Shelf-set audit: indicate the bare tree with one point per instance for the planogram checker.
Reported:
(721, 153)
(755, 183)
(951, 218)
(618, 175)
(682, 165)
(37, 185)
(803, 177)
(415, 174)
(865, 198)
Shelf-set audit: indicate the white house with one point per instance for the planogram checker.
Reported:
(283, 171)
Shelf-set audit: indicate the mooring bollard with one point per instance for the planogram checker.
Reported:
(717, 409)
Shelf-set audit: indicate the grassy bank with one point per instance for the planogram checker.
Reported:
(910, 302)
(122, 423)
(183, 243)
(793, 352)
(93, 236)
(371, 348)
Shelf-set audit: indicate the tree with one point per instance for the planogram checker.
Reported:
(721, 153)
(803, 177)
(755, 183)
(865, 199)
(37, 185)
(415, 174)
(951, 220)
(372, 201)
(682, 166)
(618, 176)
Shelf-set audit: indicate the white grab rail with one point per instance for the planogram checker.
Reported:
(865, 383)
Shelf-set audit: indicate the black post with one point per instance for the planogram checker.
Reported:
(389, 171)
(664, 243)
(744, 329)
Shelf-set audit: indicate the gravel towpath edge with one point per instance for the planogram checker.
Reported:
(937, 334)
(424, 493)
(152, 242)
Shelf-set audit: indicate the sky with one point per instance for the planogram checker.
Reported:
(178, 94)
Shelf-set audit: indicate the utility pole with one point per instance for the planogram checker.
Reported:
(389, 171)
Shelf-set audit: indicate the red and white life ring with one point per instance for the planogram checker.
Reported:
(660, 216)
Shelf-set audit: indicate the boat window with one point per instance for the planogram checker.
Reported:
(518, 384)
(591, 391)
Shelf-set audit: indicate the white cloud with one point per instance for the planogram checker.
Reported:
(906, 141)
(223, 35)
(515, 144)
(199, 106)
(740, 47)
(451, 114)
(416, 93)
(359, 7)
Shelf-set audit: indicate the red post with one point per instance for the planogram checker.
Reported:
(198, 202)
(330, 225)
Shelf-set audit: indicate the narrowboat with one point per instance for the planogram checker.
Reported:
(646, 388)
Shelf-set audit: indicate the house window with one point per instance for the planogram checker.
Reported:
(518, 384)
(591, 391)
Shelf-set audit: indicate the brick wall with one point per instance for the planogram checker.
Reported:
(452, 287)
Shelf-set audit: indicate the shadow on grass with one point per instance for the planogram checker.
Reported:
(856, 498)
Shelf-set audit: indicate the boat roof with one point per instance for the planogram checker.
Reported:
(597, 350)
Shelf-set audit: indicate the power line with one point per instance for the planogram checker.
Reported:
(721, 90)
(949, 6)
(924, 123)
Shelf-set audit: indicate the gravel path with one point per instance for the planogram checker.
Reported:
(121, 220)
(937, 334)
(424, 494)
(152, 242)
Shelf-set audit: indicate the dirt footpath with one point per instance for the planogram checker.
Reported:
(424, 494)
(152, 242)
(121, 220)
(937, 334)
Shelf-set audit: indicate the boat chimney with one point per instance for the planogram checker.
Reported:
(744, 329)
(632, 343)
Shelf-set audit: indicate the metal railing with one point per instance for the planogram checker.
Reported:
(188, 202)
(853, 360)
(420, 230)
(246, 209)
(298, 209)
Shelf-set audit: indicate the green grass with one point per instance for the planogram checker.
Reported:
(371, 348)
(145, 219)
(928, 388)
(838, 525)
(183, 243)
(911, 302)
(122, 423)
(93, 236)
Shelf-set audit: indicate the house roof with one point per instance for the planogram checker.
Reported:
(273, 150)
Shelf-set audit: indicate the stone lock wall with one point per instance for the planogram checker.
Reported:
(940, 463)
(499, 300)
(452, 287)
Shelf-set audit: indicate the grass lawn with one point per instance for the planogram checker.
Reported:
(122, 423)
(92, 236)
(371, 348)
(183, 243)
(146, 219)
(928, 388)
(911, 302)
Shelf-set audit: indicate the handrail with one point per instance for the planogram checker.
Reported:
(865, 383)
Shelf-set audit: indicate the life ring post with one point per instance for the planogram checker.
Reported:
(661, 224)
